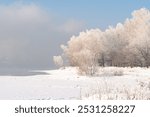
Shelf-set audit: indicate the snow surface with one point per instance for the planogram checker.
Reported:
(109, 83)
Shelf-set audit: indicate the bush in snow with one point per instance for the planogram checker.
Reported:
(58, 61)
(111, 71)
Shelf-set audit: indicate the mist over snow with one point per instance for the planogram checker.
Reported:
(30, 36)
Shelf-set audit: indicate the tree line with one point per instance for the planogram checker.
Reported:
(125, 45)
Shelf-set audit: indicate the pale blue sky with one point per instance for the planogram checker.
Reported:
(95, 13)
(31, 31)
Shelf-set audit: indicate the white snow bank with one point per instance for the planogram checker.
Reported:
(130, 83)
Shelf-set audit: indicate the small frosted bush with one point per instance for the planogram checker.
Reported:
(112, 71)
(58, 61)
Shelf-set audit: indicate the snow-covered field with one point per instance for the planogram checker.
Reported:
(109, 83)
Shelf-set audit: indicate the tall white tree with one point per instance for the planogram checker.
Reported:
(138, 31)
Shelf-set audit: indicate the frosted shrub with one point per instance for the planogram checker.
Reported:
(111, 71)
(58, 61)
(118, 72)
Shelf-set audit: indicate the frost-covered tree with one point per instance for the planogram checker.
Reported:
(115, 43)
(84, 50)
(138, 31)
